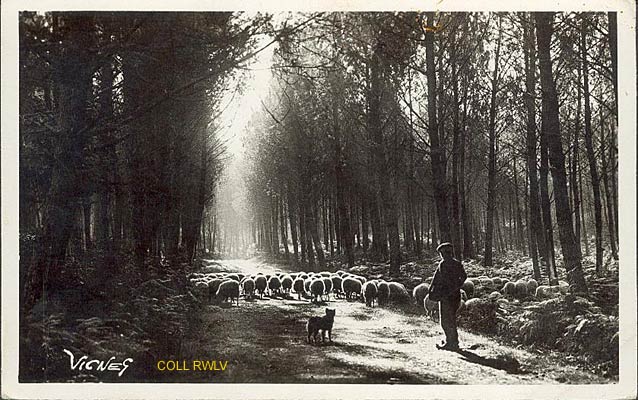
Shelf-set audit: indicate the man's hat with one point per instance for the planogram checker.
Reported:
(442, 245)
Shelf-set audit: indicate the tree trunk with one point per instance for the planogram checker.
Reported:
(536, 221)
(365, 223)
(314, 234)
(551, 126)
(454, 192)
(591, 157)
(302, 234)
(72, 75)
(437, 152)
(293, 226)
(608, 200)
(284, 228)
(465, 215)
(340, 178)
(491, 169)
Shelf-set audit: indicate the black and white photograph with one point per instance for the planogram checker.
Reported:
(393, 199)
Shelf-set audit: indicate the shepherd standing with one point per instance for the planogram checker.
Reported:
(446, 289)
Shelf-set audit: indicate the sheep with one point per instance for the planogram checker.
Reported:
(495, 295)
(261, 284)
(509, 289)
(327, 283)
(200, 288)
(286, 283)
(472, 303)
(325, 274)
(468, 286)
(350, 286)
(487, 284)
(463, 295)
(431, 307)
(419, 292)
(341, 273)
(541, 291)
(544, 291)
(532, 284)
(241, 276)
(369, 293)
(563, 287)
(212, 288)
(248, 286)
(336, 284)
(360, 279)
(274, 285)
(398, 293)
(317, 288)
(297, 286)
(383, 293)
(498, 283)
(520, 289)
(234, 277)
(306, 284)
(228, 289)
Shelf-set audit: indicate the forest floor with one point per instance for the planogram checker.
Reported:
(264, 341)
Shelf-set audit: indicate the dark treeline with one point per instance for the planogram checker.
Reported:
(385, 134)
(118, 145)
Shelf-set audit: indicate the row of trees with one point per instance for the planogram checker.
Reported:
(118, 144)
(416, 128)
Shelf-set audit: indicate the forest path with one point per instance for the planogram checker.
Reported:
(265, 341)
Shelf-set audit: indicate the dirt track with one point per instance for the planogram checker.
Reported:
(264, 341)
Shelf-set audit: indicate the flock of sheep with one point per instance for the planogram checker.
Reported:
(496, 289)
(319, 286)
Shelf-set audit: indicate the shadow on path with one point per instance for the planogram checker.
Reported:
(506, 363)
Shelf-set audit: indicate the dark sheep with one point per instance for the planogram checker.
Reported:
(286, 283)
(212, 288)
(327, 283)
(297, 286)
(532, 284)
(369, 293)
(336, 284)
(274, 285)
(468, 286)
(248, 287)
(234, 277)
(509, 289)
(350, 286)
(520, 290)
(306, 284)
(228, 289)
(383, 293)
(317, 288)
(261, 284)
